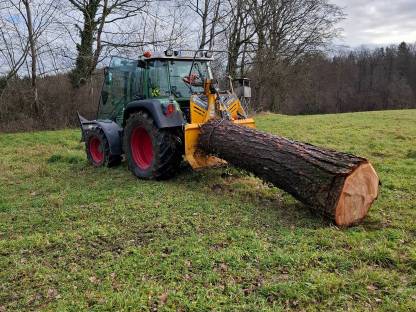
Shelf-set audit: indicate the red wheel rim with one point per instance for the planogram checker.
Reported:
(141, 148)
(96, 150)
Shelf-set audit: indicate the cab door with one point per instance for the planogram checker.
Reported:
(122, 84)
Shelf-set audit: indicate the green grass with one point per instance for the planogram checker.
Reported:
(73, 237)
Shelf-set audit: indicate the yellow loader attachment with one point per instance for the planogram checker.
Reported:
(203, 109)
(196, 158)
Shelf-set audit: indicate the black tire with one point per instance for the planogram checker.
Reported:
(98, 149)
(159, 153)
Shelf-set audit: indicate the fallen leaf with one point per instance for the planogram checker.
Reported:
(223, 267)
(52, 293)
(94, 280)
(188, 277)
(163, 298)
(284, 276)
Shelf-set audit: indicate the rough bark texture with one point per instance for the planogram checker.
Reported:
(315, 176)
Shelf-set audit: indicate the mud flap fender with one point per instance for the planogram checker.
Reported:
(112, 131)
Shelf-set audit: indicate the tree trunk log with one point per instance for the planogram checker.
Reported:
(339, 185)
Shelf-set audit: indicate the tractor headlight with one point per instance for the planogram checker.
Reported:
(208, 54)
(169, 52)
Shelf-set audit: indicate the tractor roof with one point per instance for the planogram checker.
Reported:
(178, 55)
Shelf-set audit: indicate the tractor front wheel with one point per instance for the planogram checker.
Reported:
(98, 149)
(151, 153)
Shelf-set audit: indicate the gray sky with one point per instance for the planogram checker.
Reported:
(374, 22)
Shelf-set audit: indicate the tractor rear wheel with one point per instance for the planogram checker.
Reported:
(151, 153)
(98, 149)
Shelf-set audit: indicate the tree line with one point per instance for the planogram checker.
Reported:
(51, 53)
(349, 81)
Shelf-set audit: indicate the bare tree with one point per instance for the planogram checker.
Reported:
(240, 34)
(96, 15)
(32, 43)
(13, 53)
(23, 23)
(285, 32)
(211, 13)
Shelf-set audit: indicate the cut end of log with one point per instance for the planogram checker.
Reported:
(358, 194)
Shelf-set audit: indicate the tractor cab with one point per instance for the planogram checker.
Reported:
(173, 76)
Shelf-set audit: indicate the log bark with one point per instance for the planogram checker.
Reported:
(339, 185)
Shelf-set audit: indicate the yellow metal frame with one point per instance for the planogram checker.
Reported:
(202, 113)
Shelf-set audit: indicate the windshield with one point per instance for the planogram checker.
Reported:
(161, 84)
(180, 70)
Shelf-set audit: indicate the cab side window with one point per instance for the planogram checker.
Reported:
(158, 83)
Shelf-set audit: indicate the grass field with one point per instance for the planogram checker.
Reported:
(73, 237)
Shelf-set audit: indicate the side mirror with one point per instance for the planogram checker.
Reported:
(108, 77)
(141, 64)
(246, 92)
(243, 89)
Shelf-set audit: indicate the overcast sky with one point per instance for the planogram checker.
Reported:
(375, 22)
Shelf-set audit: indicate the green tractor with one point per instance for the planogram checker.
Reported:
(151, 109)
